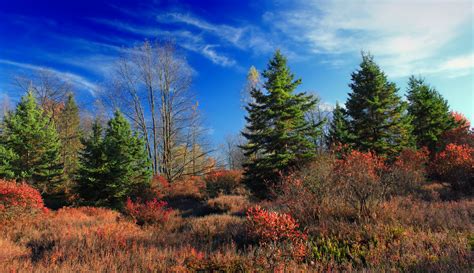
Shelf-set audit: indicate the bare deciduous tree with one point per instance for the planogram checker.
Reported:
(49, 89)
(234, 155)
(151, 85)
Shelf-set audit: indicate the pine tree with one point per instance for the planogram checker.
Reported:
(31, 144)
(378, 119)
(279, 137)
(114, 167)
(70, 135)
(429, 111)
(338, 132)
(92, 172)
(7, 157)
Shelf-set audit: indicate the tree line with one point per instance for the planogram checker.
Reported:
(156, 127)
(65, 151)
(281, 137)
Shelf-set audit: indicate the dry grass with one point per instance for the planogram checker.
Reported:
(234, 204)
(408, 233)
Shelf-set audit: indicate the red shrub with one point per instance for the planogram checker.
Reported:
(272, 228)
(411, 159)
(149, 212)
(188, 187)
(159, 186)
(18, 198)
(223, 182)
(461, 134)
(455, 165)
(358, 177)
(461, 120)
(408, 172)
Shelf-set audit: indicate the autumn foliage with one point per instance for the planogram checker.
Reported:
(19, 198)
(461, 134)
(409, 171)
(358, 175)
(223, 182)
(270, 227)
(455, 164)
(152, 212)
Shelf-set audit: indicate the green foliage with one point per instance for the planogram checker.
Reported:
(7, 156)
(378, 118)
(113, 167)
(70, 133)
(429, 111)
(279, 136)
(30, 147)
(340, 250)
(338, 132)
(92, 172)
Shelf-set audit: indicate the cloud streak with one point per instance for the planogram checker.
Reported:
(403, 35)
(76, 80)
(184, 38)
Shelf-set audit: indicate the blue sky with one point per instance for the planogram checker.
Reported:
(222, 39)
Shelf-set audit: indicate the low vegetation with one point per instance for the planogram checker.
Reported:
(374, 194)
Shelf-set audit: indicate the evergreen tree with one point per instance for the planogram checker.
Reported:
(31, 145)
(279, 137)
(338, 132)
(114, 167)
(69, 133)
(429, 111)
(92, 172)
(7, 157)
(378, 119)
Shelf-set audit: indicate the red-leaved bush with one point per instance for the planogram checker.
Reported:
(19, 198)
(455, 165)
(223, 182)
(152, 212)
(271, 228)
(160, 186)
(408, 172)
(186, 187)
(461, 134)
(358, 176)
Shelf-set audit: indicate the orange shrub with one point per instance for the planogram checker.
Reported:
(223, 182)
(358, 176)
(408, 172)
(461, 134)
(159, 186)
(270, 228)
(189, 187)
(19, 198)
(455, 165)
(149, 212)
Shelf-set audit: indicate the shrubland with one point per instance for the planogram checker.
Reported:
(356, 212)
(382, 191)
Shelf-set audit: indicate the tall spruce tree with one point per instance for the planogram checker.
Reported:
(338, 132)
(70, 136)
(279, 137)
(30, 145)
(120, 168)
(378, 119)
(92, 171)
(429, 111)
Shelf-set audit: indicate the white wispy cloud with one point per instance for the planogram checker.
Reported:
(76, 80)
(226, 32)
(210, 53)
(184, 38)
(403, 35)
(244, 37)
(456, 66)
